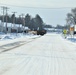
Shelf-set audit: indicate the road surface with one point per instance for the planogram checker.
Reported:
(47, 55)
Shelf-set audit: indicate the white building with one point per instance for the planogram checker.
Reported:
(12, 27)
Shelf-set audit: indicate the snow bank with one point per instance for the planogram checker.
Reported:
(14, 37)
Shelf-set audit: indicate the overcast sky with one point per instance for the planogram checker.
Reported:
(51, 11)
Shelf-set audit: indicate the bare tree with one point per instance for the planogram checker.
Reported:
(71, 17)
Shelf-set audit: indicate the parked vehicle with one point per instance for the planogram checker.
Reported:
(41, 32)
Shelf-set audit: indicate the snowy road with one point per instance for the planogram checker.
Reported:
(47, 55)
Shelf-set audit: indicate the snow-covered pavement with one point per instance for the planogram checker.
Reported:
(47, 55)
(10, 41)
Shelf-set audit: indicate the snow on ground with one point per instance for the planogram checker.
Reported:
(47, 55)
(71, 38)
(14, 37)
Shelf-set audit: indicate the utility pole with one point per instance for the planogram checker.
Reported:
(19, 21)
(14, 21)
(6, 18)
(23, 22)
(3, 9)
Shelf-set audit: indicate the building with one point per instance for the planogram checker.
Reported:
(13, 28)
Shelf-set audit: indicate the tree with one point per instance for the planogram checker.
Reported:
(13, 18)
(59, 26)
(39, 22)
(27, 20)
(71, 17)
(32, 24)
(47, 26)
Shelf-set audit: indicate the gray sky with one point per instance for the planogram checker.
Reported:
(44, 9)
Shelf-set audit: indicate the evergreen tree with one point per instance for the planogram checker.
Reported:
(27, 20)
(13, 18)
(39, 22)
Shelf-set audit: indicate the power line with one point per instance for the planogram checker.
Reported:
(38, 7)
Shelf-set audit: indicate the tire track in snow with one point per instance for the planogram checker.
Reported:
(14, 45)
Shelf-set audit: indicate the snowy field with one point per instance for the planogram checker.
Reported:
(50, 54)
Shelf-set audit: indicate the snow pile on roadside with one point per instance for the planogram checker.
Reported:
(6, 37)
(72, 38)
(13, 37)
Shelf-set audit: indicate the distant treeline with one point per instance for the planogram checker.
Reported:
(33, 23)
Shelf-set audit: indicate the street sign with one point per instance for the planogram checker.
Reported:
(71, 28)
